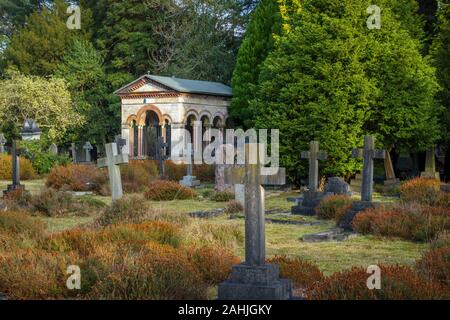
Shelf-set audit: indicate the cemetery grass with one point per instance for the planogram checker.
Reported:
(282, 239)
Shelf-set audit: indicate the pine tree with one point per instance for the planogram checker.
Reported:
(334, 80)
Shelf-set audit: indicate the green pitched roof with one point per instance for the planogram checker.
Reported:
(190, 86)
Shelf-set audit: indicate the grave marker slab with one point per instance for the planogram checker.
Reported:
(112, 162)
(254, 279)
(430, 165)
(87, 149)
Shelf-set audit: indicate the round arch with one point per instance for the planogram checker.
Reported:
(141, 116)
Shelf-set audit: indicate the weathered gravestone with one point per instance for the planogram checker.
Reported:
(73, 149)
(369, 153)
(189, 180)
(430, 165)
(161, 156)
(15, 153)
(337, 186)
(391, 181)
(239, 193)
(254, 279)
(2, 143)
(312, 197)
(87, 149)
(121, 143)
(112, 162)
(53, 149)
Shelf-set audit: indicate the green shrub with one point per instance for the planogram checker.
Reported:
(222, 196)
(43, 161)
(162, 190)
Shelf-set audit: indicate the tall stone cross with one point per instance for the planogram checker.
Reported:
(161, 155)
(369, 153)
(253, 177)
(2, 143)
(87, 149)
(73, 149)
(314, 155)
(15, 153)
(112, 162)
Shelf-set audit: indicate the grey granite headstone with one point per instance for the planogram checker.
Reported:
(112, 162)
(311, 199)
(369, 153)
(254, 279)
(337, 185)
(53, 149)
(430, 165)
(189, 180)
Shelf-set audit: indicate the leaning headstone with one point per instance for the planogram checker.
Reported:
(53, 149)
(312, 197)
(337, 186)
(73, 149)
(430, 166)
(87, 149)
(2, 143)
(15, 153)
(189, 180)
(369, 153)
(255, 279)
(391, 181)
(112, 162)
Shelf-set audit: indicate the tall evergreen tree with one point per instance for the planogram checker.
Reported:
(333, 79)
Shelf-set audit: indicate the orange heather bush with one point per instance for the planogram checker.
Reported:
(162, 190)
(213, 262)
(333, 207)
(157, 272)
(76, 177)
(26, 168)
(174, 172)
(435, 265)
(205, 172)
(222, 196)
(21, 225)
(303, 273)
(423, 190)
(137, 174)
(397, 283)
(131, 209)
(408, 221)
(17, 199)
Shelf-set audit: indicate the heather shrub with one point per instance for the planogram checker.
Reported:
(408, 221)
(137, 174)
(398, 283)
(157, 272)
(76, 177)
(20, 225)
(423, 190)
(222, 196)
(34, 274)
(163, 190)
(27, 171)
(17, 199)
(302, 273)
(175, 172)
(204, 172)
(435, 265)
(234, 207)
(200, 232)
(334, 207)
(214, 263)
(131, 209)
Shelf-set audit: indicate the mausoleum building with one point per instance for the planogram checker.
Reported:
(152, 106)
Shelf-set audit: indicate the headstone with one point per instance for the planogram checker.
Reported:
(391, 181)
(15, 153)
(73, 149)
(120, 143)
(189, 180)
(239, 193)
(112, 162)
(53, 149)
(87, 149)
(254, 279)
(311, 198)
(430, 165)
(337, 185)
(161, 155)
(2, 143)
(369, 153)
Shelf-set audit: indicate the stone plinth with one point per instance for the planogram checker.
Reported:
(255, 283)
(190, 182)
(390, 185)
(308, 204)
(14, 187)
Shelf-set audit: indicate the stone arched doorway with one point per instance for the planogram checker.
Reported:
(151, 134)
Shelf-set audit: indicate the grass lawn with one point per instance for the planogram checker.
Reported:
(280, 238)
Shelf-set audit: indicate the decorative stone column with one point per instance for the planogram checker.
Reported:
(131, 141)
(140, 141)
